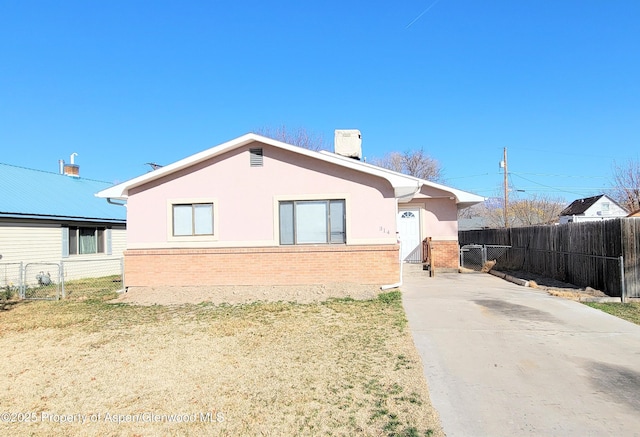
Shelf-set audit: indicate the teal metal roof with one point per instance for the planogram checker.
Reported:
(28, 193)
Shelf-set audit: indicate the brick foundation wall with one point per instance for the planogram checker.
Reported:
(446, 254)
(290, 265)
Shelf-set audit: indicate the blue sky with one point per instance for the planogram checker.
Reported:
(123, 83)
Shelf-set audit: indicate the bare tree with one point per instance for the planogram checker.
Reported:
(626, 185)
(412, 162)
(300, 137)
(535, 210)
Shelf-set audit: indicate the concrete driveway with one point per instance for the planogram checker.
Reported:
(504, 360)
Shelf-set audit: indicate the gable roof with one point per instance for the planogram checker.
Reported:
(405, 187)
(36, 194)
(580, 206)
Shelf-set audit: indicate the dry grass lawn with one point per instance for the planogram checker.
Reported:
(339, 367)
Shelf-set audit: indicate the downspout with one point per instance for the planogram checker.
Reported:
(399, 283)
(115, 203)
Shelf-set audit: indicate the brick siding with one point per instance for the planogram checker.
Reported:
(284, 265)
(446, 254)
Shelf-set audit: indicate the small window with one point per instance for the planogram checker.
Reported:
(255, 159)
(605, 206)
(193, 219)
(407, 214)
(85, 240)
(312, 222)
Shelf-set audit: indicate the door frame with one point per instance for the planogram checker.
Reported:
(413, 257)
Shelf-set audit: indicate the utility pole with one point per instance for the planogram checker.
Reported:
(503, 164)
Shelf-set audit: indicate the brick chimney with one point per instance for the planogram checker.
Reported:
(71, 169)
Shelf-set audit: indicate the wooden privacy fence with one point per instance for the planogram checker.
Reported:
(603, 255)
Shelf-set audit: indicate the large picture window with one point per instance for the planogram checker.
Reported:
(312, 222)
(193, 219)
(85, 240)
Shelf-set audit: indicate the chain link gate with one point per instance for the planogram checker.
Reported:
(475, 256)
(53, 281)
(41, 281)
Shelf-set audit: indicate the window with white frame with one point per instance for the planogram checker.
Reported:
(312, 222)
(192, 219)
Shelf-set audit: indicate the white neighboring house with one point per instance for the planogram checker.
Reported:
(47, 218)
(591, 209)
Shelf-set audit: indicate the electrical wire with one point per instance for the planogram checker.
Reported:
(548, 186)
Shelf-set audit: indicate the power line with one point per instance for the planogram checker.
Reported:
(560, 175)
(564, 152)
(472, 176)
(549, 186)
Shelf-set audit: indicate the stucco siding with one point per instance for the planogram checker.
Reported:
(246, 199)
(439, 218)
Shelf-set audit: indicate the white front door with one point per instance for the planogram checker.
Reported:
(409, 231)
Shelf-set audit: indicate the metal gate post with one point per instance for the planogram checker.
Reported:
(622, 289)
(484, 255)
(61, 276)
(122, 272)
(21, 285)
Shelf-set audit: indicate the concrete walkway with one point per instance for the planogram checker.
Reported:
(504, 360)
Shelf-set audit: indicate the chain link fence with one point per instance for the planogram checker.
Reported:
(52, 281)
(92, 275)
(475, 256)
(10, 280)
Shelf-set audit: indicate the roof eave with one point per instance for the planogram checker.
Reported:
(400, 181)
(61, 218)
(404, 186)
(121, 191)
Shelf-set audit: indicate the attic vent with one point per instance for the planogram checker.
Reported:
(256, 157)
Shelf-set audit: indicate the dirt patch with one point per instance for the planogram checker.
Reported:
(245, 294)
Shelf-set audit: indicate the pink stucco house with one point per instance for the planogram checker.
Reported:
(256, 211)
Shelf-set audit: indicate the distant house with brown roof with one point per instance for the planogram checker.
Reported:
(594, 208)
